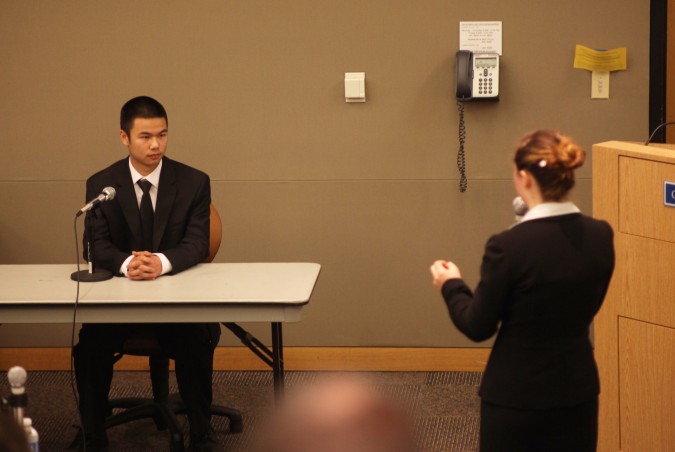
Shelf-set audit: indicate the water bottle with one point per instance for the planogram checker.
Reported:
(32, 434)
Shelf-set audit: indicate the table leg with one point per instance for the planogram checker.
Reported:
(273, 358)
(278, 360)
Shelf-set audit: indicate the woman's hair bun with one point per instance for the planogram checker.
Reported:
(567, 153)
(551, 158)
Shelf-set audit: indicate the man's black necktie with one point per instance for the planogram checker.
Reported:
(147, 214)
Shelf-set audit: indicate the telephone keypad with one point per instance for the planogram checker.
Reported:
(485, 84)
(485, 69)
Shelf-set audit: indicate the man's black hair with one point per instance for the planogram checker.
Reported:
(140, 107)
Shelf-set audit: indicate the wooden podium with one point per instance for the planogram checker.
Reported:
(635, 329)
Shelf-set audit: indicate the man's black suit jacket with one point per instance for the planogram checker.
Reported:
(181, 224)
(543, 281)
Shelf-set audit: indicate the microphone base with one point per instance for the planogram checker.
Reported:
(85, 276)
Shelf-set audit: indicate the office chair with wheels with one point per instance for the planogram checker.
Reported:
(163, 408)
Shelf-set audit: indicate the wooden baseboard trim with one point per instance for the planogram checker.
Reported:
(295, 358)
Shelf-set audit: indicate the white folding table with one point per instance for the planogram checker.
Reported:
(215, 292)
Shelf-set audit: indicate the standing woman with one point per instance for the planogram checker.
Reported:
(541, 284)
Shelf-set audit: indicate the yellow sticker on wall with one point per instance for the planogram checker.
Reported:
(600, 60)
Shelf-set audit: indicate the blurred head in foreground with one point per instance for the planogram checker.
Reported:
(338, 414)
(12, 436)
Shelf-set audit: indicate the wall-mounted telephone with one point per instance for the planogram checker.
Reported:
(477, 79)
(477, 76)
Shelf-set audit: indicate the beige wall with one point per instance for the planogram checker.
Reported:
(254, 93)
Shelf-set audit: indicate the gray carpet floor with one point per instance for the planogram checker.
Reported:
(444, 407)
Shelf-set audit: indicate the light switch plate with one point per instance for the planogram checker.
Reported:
(355, 86)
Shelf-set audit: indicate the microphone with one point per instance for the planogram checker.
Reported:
(18, 400)
(93, 274)
(107, 194)
(519, 207)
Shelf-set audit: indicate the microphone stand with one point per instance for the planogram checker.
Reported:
(92, 274)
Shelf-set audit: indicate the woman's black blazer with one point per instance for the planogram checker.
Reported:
(541, 283)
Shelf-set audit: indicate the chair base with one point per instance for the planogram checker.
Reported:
(164, 416)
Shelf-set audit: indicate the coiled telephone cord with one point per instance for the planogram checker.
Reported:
(461, 158)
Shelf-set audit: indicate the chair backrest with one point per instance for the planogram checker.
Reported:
(216, 235)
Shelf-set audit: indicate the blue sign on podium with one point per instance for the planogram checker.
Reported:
(669, 193)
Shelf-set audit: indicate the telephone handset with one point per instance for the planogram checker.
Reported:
(477, 76)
